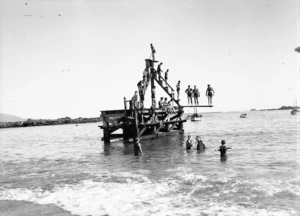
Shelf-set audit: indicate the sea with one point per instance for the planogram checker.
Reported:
(70, 167)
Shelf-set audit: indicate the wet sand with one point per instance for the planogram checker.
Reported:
(21, 208)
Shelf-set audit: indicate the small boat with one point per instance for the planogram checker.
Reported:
(196, 117)
(244, 115)
(294, 111)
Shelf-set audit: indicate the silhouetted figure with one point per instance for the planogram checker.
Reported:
(178, 89)
(166, 75)
(189, 92)
(200, 144)
(152, 52)
(196, 94)
(159, 71)
(223, 149)
(210, 93)
(189, 143)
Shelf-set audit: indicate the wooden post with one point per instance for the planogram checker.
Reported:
(106, 133)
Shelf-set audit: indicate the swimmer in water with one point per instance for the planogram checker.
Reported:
(200, 144)
(138, 147)
(189, 143)
(222, 149)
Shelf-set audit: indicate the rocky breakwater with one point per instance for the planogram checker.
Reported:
(43, 122)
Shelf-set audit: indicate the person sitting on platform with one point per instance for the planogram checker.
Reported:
(170, 108)
(200, 144)
(161, 103)
(189, 143)
(189, 92)
(138, 147)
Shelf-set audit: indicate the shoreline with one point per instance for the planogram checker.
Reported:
(18, 208)
(46, 122)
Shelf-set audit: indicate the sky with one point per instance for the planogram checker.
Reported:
(77, 57)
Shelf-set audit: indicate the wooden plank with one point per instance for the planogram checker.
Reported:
(152, 136)
(114, 136)
(157, 123)
(142, 131)
(197, 106)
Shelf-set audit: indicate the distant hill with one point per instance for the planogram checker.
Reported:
(10, 118)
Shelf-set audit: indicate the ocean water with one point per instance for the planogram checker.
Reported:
(69, 166)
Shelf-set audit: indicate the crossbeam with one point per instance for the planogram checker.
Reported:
(198, 106)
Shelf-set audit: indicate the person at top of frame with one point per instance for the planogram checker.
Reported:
(210, 93)
(189, 92)
(152, 52)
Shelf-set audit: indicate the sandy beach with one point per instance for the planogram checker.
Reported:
(20, 208)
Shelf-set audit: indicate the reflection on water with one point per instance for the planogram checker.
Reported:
(70, 167)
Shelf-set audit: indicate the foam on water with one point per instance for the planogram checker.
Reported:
(138, 195)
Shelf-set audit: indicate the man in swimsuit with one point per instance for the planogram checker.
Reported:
(210, 93)
(159, 70)
(189, 92)
(161, 103)
(166, 75)
(152, 51)
(200, 144)
(189, 143)
(135, 99)
(222, 149)
(137, 147)
(178, 89)
(196, 95)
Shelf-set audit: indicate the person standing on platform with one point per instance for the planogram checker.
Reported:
(210, 93)
(178, 89)
(141, 93)
(189, 92)
(166, 75)
(153, 97)
(196, 94)
(159, 70)
(152, 52)
(138, 147)
(134, 99)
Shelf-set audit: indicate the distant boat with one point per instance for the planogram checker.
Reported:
(196, 117)
(244, 115)
(294, 111)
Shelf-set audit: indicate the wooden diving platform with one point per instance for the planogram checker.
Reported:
(136, 121)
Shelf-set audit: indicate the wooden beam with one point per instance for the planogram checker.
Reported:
(198, 106)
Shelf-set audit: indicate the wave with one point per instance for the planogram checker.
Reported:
(186, 194)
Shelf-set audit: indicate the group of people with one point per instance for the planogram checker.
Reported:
(166, 105)
(199, 145)
(190, 145)
(193, 93)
